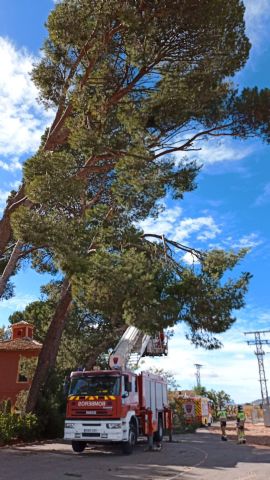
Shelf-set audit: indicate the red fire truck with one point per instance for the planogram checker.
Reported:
(118, 405)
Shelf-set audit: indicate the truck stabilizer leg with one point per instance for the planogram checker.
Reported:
(150, 442)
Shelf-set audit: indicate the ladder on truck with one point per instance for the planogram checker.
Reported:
(135, 344)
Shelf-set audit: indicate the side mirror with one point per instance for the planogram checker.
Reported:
(125, 394)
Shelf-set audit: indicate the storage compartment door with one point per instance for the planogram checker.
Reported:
(153, 400)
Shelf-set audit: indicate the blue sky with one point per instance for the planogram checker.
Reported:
(229, 208)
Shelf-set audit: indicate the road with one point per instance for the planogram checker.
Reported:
(200, 456)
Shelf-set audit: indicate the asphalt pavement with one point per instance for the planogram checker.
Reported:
(199, 456)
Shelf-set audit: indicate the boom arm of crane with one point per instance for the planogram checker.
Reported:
(135, 342)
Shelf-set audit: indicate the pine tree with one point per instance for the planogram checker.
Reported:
(132, 83)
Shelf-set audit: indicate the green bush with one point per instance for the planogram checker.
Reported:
(27, 427)
(183, 427)
(18, 427)
(51, 406)
(5, 406)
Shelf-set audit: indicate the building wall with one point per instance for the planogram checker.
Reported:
(9, 363)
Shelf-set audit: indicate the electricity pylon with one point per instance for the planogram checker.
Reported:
(259, 352)
(198, 373)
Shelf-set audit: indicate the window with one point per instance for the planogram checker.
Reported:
(22, 378)
(95, 385)
(26, 368)
(21, 371)
(126, 384)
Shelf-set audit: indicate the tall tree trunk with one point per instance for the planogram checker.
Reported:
(10, 267)
(48, 354)
(5, 226)
(5, 232)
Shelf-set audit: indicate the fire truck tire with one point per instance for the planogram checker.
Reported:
(158, 435)
(128, 447)
(77, 446)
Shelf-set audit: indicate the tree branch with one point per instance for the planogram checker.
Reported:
(62, 114)
(177, 245)
(190, 141)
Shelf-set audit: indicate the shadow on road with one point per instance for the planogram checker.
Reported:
(190, 456)
(186, 457)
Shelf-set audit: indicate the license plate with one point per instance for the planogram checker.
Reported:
(90, 430)
(91, 412)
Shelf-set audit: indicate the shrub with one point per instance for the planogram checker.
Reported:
(18, 427)
(27, 427)
(51, 406)
(5, 406)
(21, 399)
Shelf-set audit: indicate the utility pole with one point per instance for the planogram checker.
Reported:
(259, 352)
(198, 374)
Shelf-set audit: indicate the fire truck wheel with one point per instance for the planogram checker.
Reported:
(78, 447)
(127, 447)
(158, 435)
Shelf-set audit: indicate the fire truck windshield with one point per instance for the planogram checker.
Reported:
(95, 385)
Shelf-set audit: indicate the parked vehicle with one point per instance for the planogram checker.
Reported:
(118, 405)
(197, 410)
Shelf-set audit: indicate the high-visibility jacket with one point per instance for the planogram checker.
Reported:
(222, 415)
(241, 417)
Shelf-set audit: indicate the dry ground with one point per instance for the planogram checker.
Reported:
(256, 434)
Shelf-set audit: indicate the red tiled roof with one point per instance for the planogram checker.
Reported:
(20, 344)
(22, 322)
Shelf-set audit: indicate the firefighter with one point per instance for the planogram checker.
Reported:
(222, 416)
(240, 424)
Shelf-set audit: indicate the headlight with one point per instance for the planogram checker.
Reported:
(69, 425)
(113, 425)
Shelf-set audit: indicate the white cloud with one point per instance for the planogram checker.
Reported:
(19, 302)
(233, 368)
(213, 152)
(225, 154)
(205, 226)
(257, 17)
(264, 318)
(165, 222)
(22, 119)
(3, 197)
(264, 197)
(248, 241)
(11, 165)
(15, 185)
(202, 229)
(171, 224)
(190, 259)
(5, 193)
